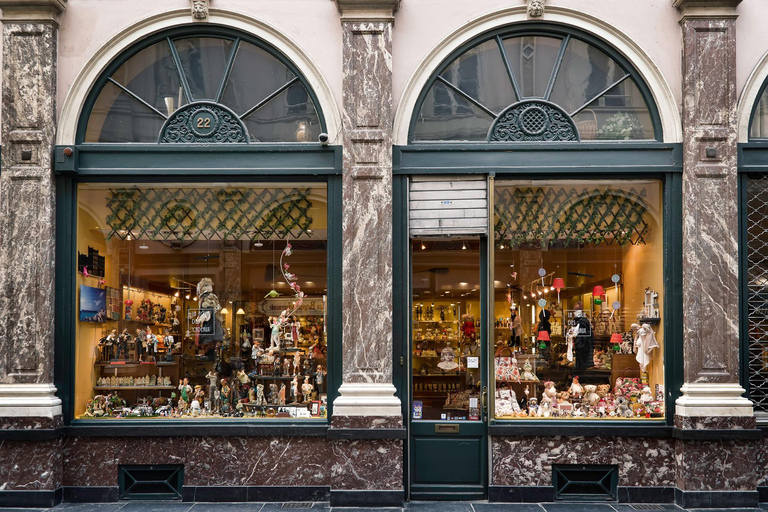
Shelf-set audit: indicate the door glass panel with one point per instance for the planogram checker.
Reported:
(203, 61)
(446, 353)
(579, 295)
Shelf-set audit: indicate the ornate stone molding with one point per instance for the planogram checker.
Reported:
(203, 122)
(707, 8)
(41, 11)
(535, 8)
(366, 399)
(704, 399)
(199, 10)
(29, 400)
(367, 10)
(532, 121)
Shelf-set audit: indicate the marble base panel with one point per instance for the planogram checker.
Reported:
(721, 465)
(31, 423)
(224, 494)
(30, 499)
(527, 461)
(545, 494)
(367, 465)
(374, 422)
(346, 498)
(716, 499)
(715, 422)
(208, 461)
(30, 465)
(761, 463)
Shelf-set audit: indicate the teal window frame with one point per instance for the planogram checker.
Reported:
(544, 30)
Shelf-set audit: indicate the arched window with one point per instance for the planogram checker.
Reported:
(535, 83)
(210, 86)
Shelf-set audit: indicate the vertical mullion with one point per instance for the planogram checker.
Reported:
(182, 77)
(511, 75)
(228, 70)
(556, 69)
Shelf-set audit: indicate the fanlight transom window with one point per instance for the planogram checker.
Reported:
(202, 89)
(535, 86)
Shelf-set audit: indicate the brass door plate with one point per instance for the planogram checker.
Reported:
(447, 428)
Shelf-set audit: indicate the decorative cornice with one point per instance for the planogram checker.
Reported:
(367, 10)
(707, 8)
(19, 11)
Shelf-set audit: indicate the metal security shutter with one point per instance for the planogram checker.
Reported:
(448, 206)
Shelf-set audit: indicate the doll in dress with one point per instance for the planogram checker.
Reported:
(295, 389)
(274, 338)
(307, 389)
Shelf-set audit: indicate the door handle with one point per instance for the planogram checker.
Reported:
(484, 399)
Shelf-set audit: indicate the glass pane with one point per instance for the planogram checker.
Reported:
(446, 331)
(619, 114)
(586, 339)
(117, 117)
(446, 115)
(756, 280)
(585, 72)
(255, 75)
(759, 128)
(203, 60)
(151, 75)
(480, 73)
(532, 59)
(179, 288)
(288, 117)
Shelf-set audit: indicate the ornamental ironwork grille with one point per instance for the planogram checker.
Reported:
(188, 214)
(757, 290)
(560, 216)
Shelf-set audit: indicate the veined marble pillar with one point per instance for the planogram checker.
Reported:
(709, 460)
(710, 218)
(30, 471)
(27, 208)
(367, 388)
(367, 422)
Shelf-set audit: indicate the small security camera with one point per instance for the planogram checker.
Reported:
(323, 138)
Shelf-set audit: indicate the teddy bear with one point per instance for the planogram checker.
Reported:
(590, 394)
(603, 390)
(549, 390)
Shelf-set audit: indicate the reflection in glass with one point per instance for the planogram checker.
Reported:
(178, 288)
(117, 117)
(289, 116)
(481, 74)
(532, 59)
(446, 321)
(619, 114)
(759, 128)
(446, 115)
(203, 60)
(254, 76)
(579, 295)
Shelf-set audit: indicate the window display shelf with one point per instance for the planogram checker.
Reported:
(441, 374)
(272, 377)
(106, 388)
(134, 364)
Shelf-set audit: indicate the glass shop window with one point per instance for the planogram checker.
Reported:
(201, 301)
(579, 296)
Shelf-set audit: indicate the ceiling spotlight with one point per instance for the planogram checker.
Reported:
(463, 245)
(195, 299)
(463, 283)
(143, 246)
(258, 243)
(176, 294)
(186, 296)
(501, 246)
(525, 296)
(423, 246)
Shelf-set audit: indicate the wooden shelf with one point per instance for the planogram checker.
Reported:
(134, 364)
(132, 387)
(441, 374)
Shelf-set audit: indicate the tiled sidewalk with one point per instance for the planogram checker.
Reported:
(432, 506)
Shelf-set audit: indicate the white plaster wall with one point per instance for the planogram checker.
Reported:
(86, 25)
(751, 38)
(421, 24)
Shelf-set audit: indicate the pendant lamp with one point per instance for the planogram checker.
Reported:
(558, 284)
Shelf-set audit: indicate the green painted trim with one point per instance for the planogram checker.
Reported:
(752, 113)
(743, 254)
(753, 157)
(400, 292)
(196, 30)
(203, 159)
(335, 289)
(548, 30)
(535, 158)
(673, 289)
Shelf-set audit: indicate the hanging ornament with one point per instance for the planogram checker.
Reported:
(542, 302)
(616, 278)
(615, 306)
(542, 273)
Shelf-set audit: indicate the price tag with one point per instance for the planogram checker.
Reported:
(473, 362)
(473, 403)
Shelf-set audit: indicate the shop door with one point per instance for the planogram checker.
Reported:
(448, 389)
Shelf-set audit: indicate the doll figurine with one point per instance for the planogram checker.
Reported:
(260, 400)
(319, 374)
(286, 367)
(256, 351)
(141, 344)
(122, 344)
(295, 389)
(273, 396)
(296, 362)
(251, 395)
(128, 309)
(274, 339)
(281, 394)
(307, 389)
(213, 379)
(576, 388)
(226, 394)
(209, 321)
(295, 330)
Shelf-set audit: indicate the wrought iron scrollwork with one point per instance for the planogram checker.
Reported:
(532, 121)
(203, 122)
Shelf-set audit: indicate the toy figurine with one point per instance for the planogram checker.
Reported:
(208, 321)
(260, 400)
(286, 367)
(273, 396)
(141, 344)
(295, 389)
(185, 392)
(281, 394)
(319, 375)
(274, 339)
(256, 351)
(296, 362)
(151, 344)
(307, 389)
(576, 388)
(226, 395)
(295, 330)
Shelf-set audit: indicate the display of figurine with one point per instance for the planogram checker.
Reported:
(590, 394)
(295, 389)
(286, 367)
(645, 342)
(128, 308)
(319, 374)
(209, 321)
(645, 396)
(295, 330)
(307, 389)
(141, 344)
(122, 344)
(528, 372)
(281, 394)
(550, 391)
(185, 394)
(151, 345)
(296, 362)
(274, 338)
(226, 396)
(576, 389)
(256, 351)
(260, 399)
(273, 394)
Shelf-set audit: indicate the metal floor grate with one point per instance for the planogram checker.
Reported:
(296, 505)
(648, 507)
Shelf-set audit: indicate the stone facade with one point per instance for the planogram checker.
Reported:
(711, 456)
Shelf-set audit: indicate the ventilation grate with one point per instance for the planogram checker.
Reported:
(161, 482)
(648, 507)
(579, 482)
(298, 505)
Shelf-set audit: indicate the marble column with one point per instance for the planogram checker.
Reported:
(367, 388)
(710, 217)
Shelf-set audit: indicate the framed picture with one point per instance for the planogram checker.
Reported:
(314, 408)
(114, 302)
(93, 304)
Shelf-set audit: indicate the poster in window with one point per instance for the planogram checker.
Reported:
(93, 304)
(114, 301)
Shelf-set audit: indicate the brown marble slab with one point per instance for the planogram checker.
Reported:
(715, 422)
(30, 466)
(367, 464)
(716, 465)
(371, 422)
(30, 423)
